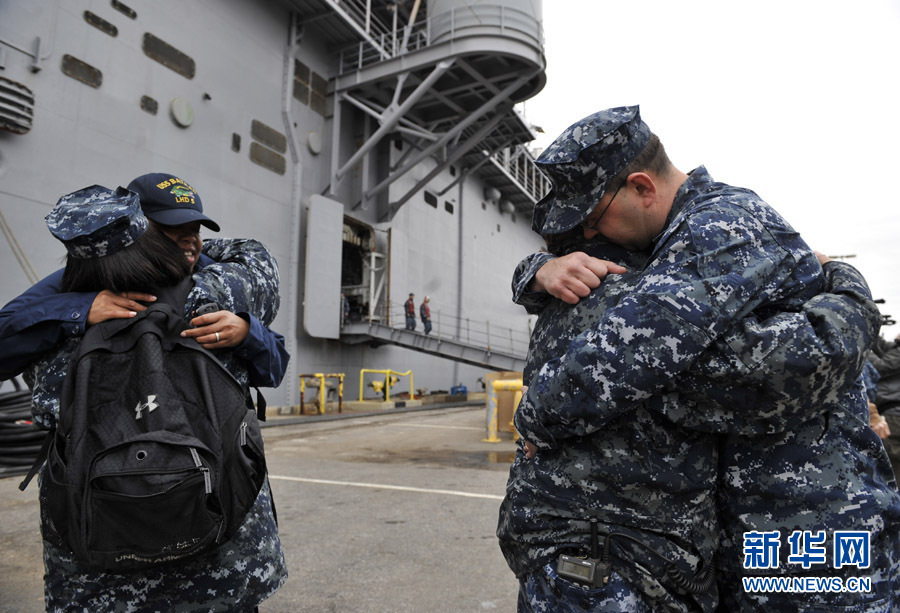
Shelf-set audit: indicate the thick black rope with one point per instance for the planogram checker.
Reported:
(20, 440)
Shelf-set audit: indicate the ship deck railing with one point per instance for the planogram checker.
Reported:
(518, 164)
(439, 28)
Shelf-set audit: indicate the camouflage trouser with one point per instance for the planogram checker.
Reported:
(236, 576)
(544, 591)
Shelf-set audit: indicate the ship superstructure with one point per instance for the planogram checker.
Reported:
(373, 146)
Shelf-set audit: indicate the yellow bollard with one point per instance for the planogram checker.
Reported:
(512, 422)
(321, 378)
(500, 385)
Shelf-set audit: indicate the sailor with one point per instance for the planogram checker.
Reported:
(43, 316)
(345, 309)
(425, 314)
(719, 260)
(409, 308)
(95, 224)
(885, 406)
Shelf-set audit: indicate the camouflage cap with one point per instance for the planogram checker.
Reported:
(171, 201)
(96, 221)
(580, 163)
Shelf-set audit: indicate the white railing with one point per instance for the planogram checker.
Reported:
(518, 163)
(458, 21)
(471, 332)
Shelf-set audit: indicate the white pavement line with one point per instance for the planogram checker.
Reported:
(381, 486)
(435, 426)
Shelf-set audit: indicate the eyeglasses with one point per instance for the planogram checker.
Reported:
(592, 225)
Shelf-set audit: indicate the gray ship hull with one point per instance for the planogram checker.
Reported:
(370, 158)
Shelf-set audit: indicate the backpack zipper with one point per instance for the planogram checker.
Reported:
(243, 434)
(206, 478)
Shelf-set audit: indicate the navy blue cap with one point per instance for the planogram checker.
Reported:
(96, 221)
(171, 201)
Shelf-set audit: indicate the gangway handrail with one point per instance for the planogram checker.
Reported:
(472, 332)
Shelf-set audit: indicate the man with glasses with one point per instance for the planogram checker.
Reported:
(693, 340)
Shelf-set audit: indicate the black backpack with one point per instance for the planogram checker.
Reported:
(157, 455)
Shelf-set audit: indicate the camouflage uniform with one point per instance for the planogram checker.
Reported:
(642, 477)
(645, 477)
(722, 268)
(798, 453)
(240, 573)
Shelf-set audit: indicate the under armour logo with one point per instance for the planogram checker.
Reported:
(150, 405)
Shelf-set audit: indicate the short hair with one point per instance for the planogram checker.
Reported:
(652, 158)
(151, 263)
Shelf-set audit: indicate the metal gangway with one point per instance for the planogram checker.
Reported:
(473, 342)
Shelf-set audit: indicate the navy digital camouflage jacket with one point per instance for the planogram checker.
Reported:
(731, 261)
(723, 255)
(641, 476)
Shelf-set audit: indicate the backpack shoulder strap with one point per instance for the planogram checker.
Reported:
(39, 460)
(260, 405)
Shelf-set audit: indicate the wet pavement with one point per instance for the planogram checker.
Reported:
(393, 512)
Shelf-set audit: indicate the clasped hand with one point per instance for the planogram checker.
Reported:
(217, 330)
(572, 277)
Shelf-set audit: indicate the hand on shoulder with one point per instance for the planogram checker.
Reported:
(572, 277)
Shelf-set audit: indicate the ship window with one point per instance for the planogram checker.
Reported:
(310, 88)
(513, 217)
(101, 24)
(319, 91)
(170, 57)
(317, 103)
(235, 141)
(498, 227)
(431, 199)
(319, 84)
(301, 71)
(267, 150)
(452, 171)
(301, 91)
(125, 10)
(81, 71)
(270, 137)
(483, 206)
(149, 104)
(267, 158)
(448, 207)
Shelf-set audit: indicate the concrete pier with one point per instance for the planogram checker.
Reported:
(393, 512)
